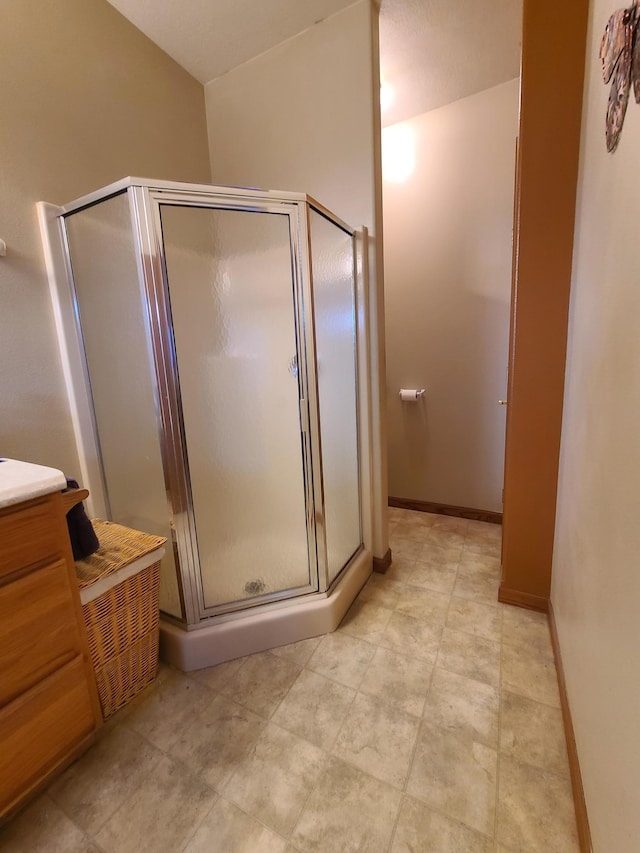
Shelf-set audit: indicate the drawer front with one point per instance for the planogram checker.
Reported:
(38, 628)
(40, 728)
(28, 536)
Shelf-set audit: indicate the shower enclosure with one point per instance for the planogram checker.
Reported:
(210, 339)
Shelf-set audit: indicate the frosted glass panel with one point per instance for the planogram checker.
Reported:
(333, 288)
(114, 327)
(232, 301)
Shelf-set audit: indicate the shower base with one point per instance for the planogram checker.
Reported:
(258, 629)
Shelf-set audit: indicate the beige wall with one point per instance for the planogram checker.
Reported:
(305, 117)
(300, 117)
(448, 286)
(596, 580)
(85, 99)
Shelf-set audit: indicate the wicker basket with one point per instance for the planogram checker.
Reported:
(119, 587)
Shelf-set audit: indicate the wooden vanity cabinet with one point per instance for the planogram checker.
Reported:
(49, 708)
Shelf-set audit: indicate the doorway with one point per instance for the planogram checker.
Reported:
(448, 145)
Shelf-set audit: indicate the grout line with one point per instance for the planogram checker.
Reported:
(329, 756)
(45, 795)
(422, 723)
(254, 818)
(419, 733)
(120, 805)
(200, 822)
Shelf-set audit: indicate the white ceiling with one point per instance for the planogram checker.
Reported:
(432, 51)
(209, 37)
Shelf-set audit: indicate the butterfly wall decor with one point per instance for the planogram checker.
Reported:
(620, 56)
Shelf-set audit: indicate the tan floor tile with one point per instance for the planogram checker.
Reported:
(262, 682)
(527, 630)
(409, 549)
(273, 782)
(164, 670)
(434, 555)
(424, 604)
(535, 810)
(348, 811)
(43, 828)
(462, 706)
(411, 530)
(484, 530)
(299, 652)
(342, 658)
(378, 738)
(442, 538)
(411, 526)
(215, 677)
(228, 828)
(172, 707)
(366, 621)
(421, 519)
(533, 733)
(484, 538)
(413, 637)
(92, 788)
(395, 513)
(161, 815)
(215, 744)
(401, 566)
(530, 675)
(474, 657)
(473, 617)
(381, 590)
(490, 548)
(314, 708)
(434, 575)
(479, 564)
(457, 776)
(421, 830)
(397, 679)
(477, 587)
(451, 523)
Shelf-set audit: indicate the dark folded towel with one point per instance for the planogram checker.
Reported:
(84, 541)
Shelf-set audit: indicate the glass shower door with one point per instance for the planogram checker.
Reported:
(234, 308)
(112, 309)
(335, 332)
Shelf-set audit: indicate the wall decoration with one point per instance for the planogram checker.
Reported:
(620, 56)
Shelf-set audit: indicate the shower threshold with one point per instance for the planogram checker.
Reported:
(263, 628)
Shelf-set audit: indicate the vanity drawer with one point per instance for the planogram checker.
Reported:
(28, 536)
(41, 728)
(38, 628)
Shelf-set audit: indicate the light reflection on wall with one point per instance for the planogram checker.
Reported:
(387, 96)
(398, 153)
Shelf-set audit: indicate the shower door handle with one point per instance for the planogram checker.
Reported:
(304, 415)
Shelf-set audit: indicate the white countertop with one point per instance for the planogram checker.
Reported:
(21, 481)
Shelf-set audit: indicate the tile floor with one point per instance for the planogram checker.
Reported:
(428, 723)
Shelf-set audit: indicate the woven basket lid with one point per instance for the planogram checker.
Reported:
(119, 546)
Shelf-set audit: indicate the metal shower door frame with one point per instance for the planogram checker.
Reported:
(146, 203)
(314, 206)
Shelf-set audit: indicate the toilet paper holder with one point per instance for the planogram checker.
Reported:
(411, 394)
